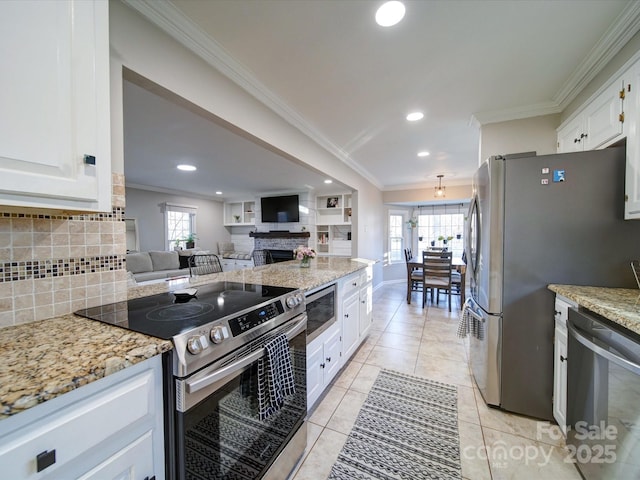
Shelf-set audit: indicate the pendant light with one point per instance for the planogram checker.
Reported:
(439, 193)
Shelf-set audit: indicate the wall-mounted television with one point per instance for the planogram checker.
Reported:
(282, 209)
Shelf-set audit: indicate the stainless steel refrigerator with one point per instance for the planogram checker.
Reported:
(533, 221)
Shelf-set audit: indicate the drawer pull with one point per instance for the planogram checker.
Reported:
(45, 459)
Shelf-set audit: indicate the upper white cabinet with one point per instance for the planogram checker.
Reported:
(55, 147)
(333, 209)
(333, 220)
(632, 175)
(600, 122)
(240, 213)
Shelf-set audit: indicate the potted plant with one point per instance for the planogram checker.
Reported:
(236, 218)
(413, 223)
(433, 243)
(190, 241)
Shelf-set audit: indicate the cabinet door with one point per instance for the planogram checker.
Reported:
(315, 371)
(366, 313)
(632, 175)
(55, 105)
(560, 378)
(602, 118)
(133, 462)
(332, 356)
(569, 137)
(350, 325)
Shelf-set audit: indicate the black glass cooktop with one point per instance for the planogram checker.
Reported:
(167, 314)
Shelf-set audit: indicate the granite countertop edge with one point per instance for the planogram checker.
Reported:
(43, 360)
(620, 305)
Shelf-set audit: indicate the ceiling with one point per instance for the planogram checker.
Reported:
(328, 69)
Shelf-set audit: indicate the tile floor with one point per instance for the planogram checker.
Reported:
(493, 444)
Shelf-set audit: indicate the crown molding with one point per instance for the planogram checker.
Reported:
(171, 191)
(172, 21)
(619, 33)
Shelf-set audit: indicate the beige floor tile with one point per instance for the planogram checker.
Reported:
(366, 377)
(532, 429)
(450, 350)
(393, 359)
(347, 374)
(467, 408)
(443, 370)
(345, 415)
(365, 349)
(517, 458)
(327, 405)
(398, 341)
(474, 463)
(317, 465)
(404, 328)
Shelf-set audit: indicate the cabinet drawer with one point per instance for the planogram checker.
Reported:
(349, 285)
(77, 428)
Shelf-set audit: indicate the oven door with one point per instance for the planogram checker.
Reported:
(603, 394)
(218, 433)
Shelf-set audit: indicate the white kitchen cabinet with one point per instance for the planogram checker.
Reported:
(599, 123)
(560, 363)
(324, 359)
(333, 240)
(231, 264)
(365, 315)
(55, 149)
(238, 214)
(350, 324)
(333, 224)
(632, 174)
(110, 428)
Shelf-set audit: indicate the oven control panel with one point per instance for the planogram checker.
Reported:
(255, 318)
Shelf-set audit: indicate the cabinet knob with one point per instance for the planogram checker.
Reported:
(346, 315)
(563, 359)
(355, 284)
(583, 135)
(576, 140)
(328, 359)
(322, 365)
(89, 159)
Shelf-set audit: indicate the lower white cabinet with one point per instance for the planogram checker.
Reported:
(323, 362)
(350, 324)
(231, 264)
(108, 429)
(560, 363)
(365, 315)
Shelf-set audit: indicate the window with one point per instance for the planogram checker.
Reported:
(439, 222)
(180, 221)
(396, 239)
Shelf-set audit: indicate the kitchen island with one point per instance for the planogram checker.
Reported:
(42, 360)
(619, 305)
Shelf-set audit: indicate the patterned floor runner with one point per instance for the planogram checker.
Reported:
(406, 429)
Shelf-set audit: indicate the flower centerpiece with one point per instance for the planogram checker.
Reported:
(304, 254)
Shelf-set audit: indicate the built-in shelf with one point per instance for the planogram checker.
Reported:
(237, 214)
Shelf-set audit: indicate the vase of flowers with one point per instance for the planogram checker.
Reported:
(304, 254)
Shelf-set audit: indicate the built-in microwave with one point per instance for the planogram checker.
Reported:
(321, 310)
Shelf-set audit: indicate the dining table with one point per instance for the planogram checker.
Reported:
(457, 264)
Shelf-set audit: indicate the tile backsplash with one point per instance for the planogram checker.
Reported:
(52, 265)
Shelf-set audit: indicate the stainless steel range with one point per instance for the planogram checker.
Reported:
(219, 332)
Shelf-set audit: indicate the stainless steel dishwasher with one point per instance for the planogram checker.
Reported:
(603, 397)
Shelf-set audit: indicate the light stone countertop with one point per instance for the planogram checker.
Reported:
(620, 305)
(43, 360)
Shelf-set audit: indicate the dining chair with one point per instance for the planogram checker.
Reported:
(414, 277)
(204, 264)
(261, 257)
(436, 267)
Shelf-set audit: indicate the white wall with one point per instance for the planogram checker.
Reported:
(536, 134)
(146, 207)
(144, 49)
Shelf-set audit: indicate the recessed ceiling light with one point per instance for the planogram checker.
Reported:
(218, 193)
(328, 181)
(390, 13)
(186, 168)
(415, 116)
(423, 154)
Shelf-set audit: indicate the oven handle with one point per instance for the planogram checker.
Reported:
(217, 375)
(620, 361)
